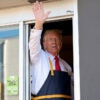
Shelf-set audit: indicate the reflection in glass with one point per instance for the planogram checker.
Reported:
(9, 62)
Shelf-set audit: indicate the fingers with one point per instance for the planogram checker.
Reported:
(37, 5)
(39, 12)
(41, 5)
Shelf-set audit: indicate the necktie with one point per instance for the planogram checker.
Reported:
(57, 66)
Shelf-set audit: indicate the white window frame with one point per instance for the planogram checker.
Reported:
(75, 51)
(22, 60)
(77, 95)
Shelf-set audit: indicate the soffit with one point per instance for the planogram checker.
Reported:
(12, 3)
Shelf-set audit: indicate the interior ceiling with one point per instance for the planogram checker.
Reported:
(12, 3)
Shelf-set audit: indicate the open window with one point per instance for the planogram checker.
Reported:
(66, 26)
(67, 31)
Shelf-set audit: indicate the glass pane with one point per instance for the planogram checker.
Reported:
(9, 63)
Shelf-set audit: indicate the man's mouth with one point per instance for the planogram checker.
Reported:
(54, 46)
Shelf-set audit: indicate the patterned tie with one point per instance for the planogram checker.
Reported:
(57, 66)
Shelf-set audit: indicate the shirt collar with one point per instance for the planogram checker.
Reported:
(51, 56)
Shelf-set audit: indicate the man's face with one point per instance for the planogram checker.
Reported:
(52, 43)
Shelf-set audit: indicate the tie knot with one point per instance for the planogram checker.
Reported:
(56, 58)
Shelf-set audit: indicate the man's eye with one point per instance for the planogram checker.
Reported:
(49, 39)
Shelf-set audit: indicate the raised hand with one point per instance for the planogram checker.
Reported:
(40, 15)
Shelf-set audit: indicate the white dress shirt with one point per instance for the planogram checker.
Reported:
(39, 62)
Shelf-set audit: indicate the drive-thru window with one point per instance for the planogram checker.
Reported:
(14, 48)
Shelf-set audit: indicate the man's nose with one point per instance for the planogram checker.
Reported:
(54, 40)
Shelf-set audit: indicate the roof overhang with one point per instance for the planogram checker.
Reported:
(14, 3)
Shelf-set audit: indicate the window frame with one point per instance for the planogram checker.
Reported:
(75, 51)
(22, 60)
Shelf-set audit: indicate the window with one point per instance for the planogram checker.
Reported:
(67, 49)
(9, 62)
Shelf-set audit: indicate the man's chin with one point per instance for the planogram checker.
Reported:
(54, 52)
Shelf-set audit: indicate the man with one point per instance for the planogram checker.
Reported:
(51, 75)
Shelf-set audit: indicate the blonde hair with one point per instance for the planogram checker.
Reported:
(56, 31)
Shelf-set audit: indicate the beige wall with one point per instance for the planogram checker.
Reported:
(24, 13)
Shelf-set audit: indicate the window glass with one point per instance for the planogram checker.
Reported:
(9, 62)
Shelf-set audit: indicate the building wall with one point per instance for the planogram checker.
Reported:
(89, 43)
(24, 13)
